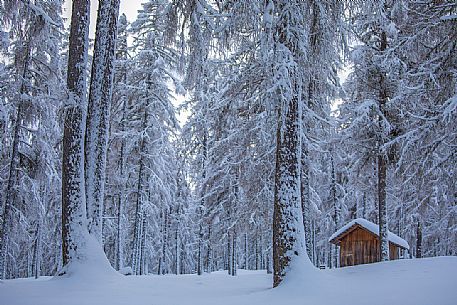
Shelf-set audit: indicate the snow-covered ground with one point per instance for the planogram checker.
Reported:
(430, 281)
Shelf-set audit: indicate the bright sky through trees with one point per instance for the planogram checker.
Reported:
(129, 8)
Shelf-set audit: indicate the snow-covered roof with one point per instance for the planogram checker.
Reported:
(373, 228)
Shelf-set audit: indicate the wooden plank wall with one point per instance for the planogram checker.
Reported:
(393, 251)
(362, 247)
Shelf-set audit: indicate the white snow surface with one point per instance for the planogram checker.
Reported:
(373, 228)
(428, 281)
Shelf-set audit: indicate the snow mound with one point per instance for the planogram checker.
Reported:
(91, 265)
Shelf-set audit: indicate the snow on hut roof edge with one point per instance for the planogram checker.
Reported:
(373, 228)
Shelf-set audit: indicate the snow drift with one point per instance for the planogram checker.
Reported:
(429, 281)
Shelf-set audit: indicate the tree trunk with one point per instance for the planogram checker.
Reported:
(10, 194)
(229, 253)
(257, 267)
(142, 259)
(164, 242)
(419, 240)
(139, 201)
(37, 253)
(209, 251)
(119, 251)
(305, 200)
(73, 192)
(261, 254)
(10, 191)
(246, 251)
(364, 205)
(382, 167)
(287, 215)
(269, 271)
(315, 251)
(233, 254)
(200, 245)
(122, 74)
(98, 113)
(383, 238)
(288, 228)
(177, 265)
(336, 216)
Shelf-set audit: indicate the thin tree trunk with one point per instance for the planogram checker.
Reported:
(257, 260)
(314, 258)
(305, 200)
(383, 239)
(200, 245)
(121, 55)
(364, 205)
(208, 250)
(164, 242)
(144, 233)
(177, 265)
(336, 216)
(419, 240)
(37, 252)
(119, 251)
(246, 251)
(182, 264)
(233, 254)
(269, 271)
(261, 254)
(382, 167)
(202, 200)
(229, 253)
(139, 201)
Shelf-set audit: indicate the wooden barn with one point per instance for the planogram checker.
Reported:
(359, 243)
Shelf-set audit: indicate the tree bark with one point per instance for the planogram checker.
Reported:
(288, 229)
(119, 259)
(382, 165)
(37, 252)
(419, 240)
(305, 196)
(73, 192)
(10, 194)
(139, 201)
(234, 253)
(246, 251)
(176, 233)
(10, 191)
(209, 251)
(100, 95)
(164, 242)
(336, 216)
(200, 248)
(287, 201)
(144, 232)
